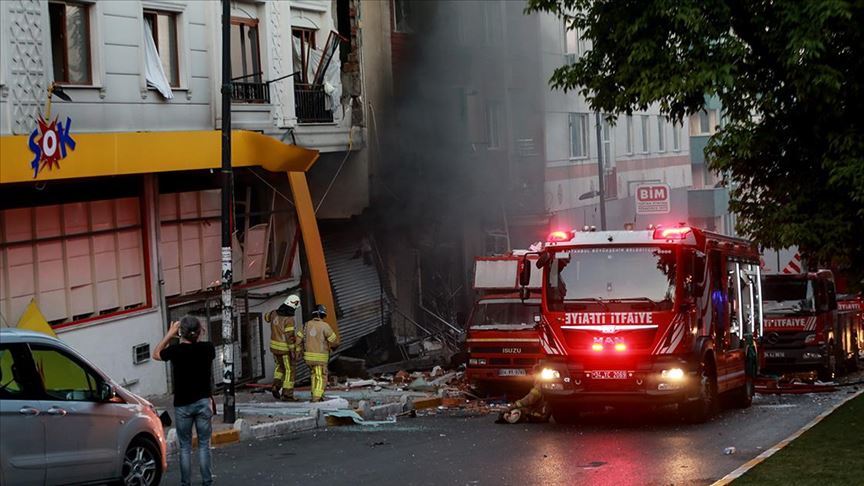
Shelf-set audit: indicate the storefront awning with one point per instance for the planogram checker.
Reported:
(112, 154)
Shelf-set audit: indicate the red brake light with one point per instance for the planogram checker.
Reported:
(560, 236)
(672, 233)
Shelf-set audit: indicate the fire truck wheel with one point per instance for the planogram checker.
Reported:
(743, 397)
(828, 371)
(706, 405)
(566, 414)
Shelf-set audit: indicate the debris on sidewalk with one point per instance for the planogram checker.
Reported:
(347, 417)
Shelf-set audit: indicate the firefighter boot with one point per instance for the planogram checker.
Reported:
(275, 389)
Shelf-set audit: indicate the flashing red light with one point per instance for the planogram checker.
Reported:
(620, 347)
(672, 233)
(597, 347)
(560, 236)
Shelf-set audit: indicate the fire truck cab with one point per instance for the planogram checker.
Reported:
(804, 328)
(656, 317)
(502, 340)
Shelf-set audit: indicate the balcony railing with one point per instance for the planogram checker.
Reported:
(310, 102)
(244, 92)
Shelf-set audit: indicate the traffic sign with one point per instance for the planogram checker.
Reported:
(653, 199)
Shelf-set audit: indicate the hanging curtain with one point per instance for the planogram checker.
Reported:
(153, 65)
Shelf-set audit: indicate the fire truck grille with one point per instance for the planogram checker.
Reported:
(635, 340)
(507, 349)
(784, 340)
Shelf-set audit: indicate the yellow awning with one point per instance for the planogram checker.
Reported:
(113, 154)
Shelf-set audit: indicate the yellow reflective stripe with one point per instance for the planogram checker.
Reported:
(280, 346)
(332, 338)
(289, 329)
(309, 356)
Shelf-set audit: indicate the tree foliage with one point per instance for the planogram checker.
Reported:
(789, 75)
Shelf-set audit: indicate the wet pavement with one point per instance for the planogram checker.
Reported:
(455, 447)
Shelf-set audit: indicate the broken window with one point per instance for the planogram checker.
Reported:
(163, 32)
(303, 46)
(265, 238)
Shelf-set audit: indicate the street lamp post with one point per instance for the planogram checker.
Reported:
(229, 411)
(600, 172)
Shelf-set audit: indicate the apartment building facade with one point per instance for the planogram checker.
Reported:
(110, 207)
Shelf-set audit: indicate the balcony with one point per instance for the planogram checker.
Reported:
(310, 102)
(245, 92)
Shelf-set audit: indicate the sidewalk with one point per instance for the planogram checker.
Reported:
(259, 415)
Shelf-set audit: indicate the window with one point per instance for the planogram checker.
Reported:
(304, 44)
(629, 134)
(77, 260)
(704, 122)
(63, 377)
(246, 70)
(163, 25)
(578, 135)
(661, 133)
(402, 16)
(70, 43)
(607, 143)
(12, 366)
(495, 122)
(645, 120)
(676, 137)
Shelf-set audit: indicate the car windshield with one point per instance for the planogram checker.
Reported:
(787, 296)
(504, 313)
(598, 276)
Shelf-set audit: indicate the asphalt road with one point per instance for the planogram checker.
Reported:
(450, 448)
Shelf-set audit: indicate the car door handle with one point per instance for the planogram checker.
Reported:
(57, 411)
(28, 411)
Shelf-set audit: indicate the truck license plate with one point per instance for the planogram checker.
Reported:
(774, 354)
(609, 375)
(511, 372)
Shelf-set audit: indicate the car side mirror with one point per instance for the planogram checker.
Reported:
(106, 392)
(525, 273)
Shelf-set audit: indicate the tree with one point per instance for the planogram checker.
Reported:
(789, 77)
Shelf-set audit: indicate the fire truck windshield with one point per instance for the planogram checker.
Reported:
(506, 313)
(787, 296)
(592, 277)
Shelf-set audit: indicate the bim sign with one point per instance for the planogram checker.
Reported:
(48, 142)
(653, 199)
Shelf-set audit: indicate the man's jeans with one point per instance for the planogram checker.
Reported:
(200, 414)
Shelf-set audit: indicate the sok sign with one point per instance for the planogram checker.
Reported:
(653, 199)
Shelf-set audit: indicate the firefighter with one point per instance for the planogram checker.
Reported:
(319, 339)
(530, 408)
(284, 346)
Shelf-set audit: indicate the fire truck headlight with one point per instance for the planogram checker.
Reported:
(674, 374)
(548, 374)
(810, 339)
(476, 361)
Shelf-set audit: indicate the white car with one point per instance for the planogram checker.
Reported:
(63, 421)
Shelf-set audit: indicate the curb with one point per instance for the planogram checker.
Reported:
(780, 445)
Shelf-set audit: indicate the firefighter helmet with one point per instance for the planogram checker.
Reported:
(293, 301)
(320, 311)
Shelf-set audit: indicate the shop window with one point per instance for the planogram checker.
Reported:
(78, 260)
(70, 42)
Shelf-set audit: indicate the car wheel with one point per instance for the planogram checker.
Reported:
(141, 464)
(706, 404)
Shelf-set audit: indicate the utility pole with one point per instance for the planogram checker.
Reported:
(600, 172)
(229, 410)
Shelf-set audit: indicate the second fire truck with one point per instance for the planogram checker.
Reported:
(663, 316)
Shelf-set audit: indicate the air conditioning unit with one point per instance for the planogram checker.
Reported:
(140, 353)
(570, 58)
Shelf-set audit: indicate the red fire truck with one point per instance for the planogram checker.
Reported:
(502, 339)
(852, 306)
(804, 329)
(663, 316)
